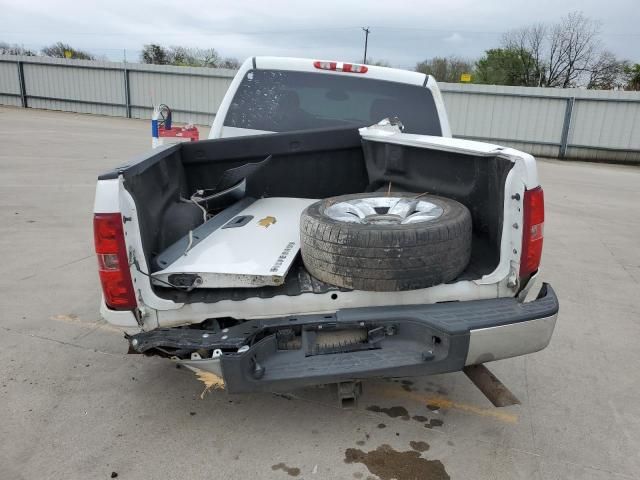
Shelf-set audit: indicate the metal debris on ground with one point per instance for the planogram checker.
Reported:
(497, 393)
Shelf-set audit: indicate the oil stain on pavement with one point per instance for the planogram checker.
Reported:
(434, 422)
(292, 471)
(387, 464)
(403, 413)
(419, 446)
(428, 423)
(393, 412)
(406, 385)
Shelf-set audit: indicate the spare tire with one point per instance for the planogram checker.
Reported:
(378, 242)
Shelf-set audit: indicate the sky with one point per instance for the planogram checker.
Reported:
(402, 32)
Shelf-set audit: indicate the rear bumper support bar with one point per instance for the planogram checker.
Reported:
(418, 340)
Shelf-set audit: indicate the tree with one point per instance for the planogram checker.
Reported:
(528, 44)
(207, 57)
(505, 66)
(573, 45)
(606, 72)
(14, 49)
(632, 77)
(181, 56)
(229, 62)
(378, 63)
(447, 69)
(154, 54)
(565, 54)
(192, 57)
(64, 50)
(186, 57)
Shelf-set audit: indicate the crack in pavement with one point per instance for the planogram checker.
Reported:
(60, 342)
(66, 264)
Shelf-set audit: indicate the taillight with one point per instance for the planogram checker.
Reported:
(113, 262)
(532, 231)
(340, 67)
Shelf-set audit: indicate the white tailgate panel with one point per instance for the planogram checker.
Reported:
(256, 254)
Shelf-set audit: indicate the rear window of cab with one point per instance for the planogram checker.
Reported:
(281, 101)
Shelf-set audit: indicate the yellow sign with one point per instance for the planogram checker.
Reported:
(465, 77)
(267, 221)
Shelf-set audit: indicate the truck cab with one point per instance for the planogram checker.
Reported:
(274, 94)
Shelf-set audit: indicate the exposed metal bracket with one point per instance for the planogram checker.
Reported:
(497, 393)
(348, 393)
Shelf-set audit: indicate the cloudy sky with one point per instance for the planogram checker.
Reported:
(402, 32)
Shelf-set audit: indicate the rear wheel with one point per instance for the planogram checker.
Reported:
(374, 242)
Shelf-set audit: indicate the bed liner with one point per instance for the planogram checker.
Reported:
(298, 281)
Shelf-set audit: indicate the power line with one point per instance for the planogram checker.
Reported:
(301, 30)
(488, 32)
(366, 39)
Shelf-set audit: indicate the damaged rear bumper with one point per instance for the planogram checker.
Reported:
(290, 352)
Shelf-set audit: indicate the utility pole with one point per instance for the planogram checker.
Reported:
(366, 39)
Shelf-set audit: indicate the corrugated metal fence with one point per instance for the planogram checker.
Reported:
(569, 123)
(563, 123)
(107, 88)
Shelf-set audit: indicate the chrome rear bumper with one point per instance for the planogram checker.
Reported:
(512, 340)
(280, 353)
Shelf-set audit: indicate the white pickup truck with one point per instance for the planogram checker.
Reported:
(419, 252)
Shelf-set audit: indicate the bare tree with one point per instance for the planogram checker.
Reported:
(182, 56)
(193, 57)
(379, 63)
(577, 42)
(529, 44)
(15, 49)
(536, 39)
(559, 55)
(229, 62)
(209, 57)
(606, 72)
(554, 62)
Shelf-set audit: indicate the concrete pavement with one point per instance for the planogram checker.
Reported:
(74, 405)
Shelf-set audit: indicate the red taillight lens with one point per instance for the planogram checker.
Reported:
(325, 65)
(344, 67)
(353, 68)
(113, 264)
(532, 231)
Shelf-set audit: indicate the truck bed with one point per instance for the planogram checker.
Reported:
(311, 164)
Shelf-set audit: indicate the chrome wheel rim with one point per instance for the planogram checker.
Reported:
(384, 210)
